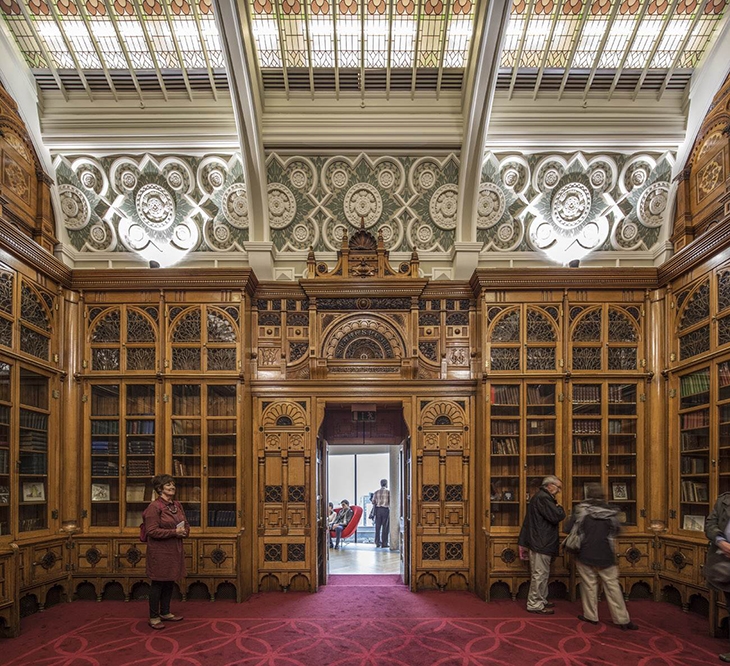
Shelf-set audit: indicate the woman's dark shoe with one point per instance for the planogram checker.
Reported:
(629, 625)
(549, 604)
(583, 618)
(156, 625)
(171, 618)
(542, 611)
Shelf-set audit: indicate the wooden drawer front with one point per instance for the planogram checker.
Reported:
(503, 556)
(682, 560)
(634, 556)
(284, 554)
(442, 553)
(130, 556)
(217, 557)
(46, 562)
(93, 555)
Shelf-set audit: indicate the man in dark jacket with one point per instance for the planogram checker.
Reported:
(539, 534)
(344, 516)
(599, 526)
(717, 530)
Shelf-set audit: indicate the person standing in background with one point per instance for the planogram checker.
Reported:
(717, 530)
(166, 526)
(539, 534)
(599, 526)
(381, 502)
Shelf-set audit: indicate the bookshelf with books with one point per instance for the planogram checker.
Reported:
(140, 449)
(523, 422)
(222, 430)
(104, 453)
(187, 429)
(605, 426)
(5, 453)
(694, 443)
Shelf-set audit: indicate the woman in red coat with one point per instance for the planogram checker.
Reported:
(165, 524)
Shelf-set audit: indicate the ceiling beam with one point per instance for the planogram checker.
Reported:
(233, 28)
(489, 29)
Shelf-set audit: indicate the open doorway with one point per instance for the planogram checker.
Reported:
(363, 454)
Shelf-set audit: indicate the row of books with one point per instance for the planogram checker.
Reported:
(622, 393)
(105, 427)
(505, 395)
(137, 427)
(105, 446)
(583, 393)
(34, 420)
(586, 427)
(32, 440)
(585, 445)
(622, 426)
(141, 446)
(184, 445)
(692, 491)
(104, 468)
(699, 382)
(505, 427)
(221, 518)
(505, 445)
(693, 465)
(33, 463)
(698, 419)
(690, 441)
(541, 427)
(140, 467)
(4, 461)
(723, 371)
(540, 394)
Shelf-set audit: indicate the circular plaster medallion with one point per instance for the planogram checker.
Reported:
(571, 205)
(88, 179)
(74, 206)
(155, 206)
(136, 236)
(234, 205)
(216, 178)
(128, 180)
(282, 206)
(550, 178)
(387, 232)
(98, 234)
(511, 177)
(629, 232)
(653, 204)
(505, 232)
(590, 234)
(427, 179)
(221, 233)
(598, 178)
(638, 177)
(175, 179)
(300, 233)
(182, 234)
(543, 235)
(339, 232)
(443, 206)
(386, 179)
(298, 178)
(424, 234)
(491, 205)
(339, 178)
(363, 202)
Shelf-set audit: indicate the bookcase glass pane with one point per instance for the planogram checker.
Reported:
(33, 452)
(504, 431)
(5, 412)
(222, 437)
(694, 449)
(723, 453)
(587, 435)
(540, 435)
(186, 448)
(622, 450)
(105, 462)
(140, 407)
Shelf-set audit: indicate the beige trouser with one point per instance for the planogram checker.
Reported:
(612, 590)
(539, 574)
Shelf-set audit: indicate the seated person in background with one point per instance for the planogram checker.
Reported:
(344, 516)
(331, 517)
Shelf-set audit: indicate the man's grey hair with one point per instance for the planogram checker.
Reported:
(550, 479)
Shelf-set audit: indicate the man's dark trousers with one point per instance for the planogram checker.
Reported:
(382, 525)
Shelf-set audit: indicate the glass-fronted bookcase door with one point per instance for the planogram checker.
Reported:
(524, 419)
(123, 452)
(605, 429)
(204, 450)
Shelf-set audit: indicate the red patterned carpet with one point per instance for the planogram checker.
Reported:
(358, 621)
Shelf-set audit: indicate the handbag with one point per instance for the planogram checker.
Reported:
(573, 541)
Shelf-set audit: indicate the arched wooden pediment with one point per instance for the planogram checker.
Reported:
(283, 415)
(363, 337)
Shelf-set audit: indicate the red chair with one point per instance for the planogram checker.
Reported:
(352, 526)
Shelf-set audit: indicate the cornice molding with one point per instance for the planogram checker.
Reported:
(146, 279)
(564, 278)
(704, 248)
(28, 251)
(363, 287)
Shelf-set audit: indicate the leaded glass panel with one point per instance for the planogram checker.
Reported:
(620, 327)
(104, 358)
(108, 328)
(139, 328)
(541, 358)
(6, 332)
(34, 343)
(140, 358)
(428, 350)
(507, 329)
(429, 319)
(586, 358)
(269, 319)
(186, 358)
(723, 331)
(697, 308)
(493, 313)
(32, 309)
(296, 319)
(723, 291)
(588, 328)
(220, 328)
(505, 358)
(6, 293)
(222, 359)
(188, 327)
(457, 319)
(622, 358)
(696, 342)
(539, 328)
